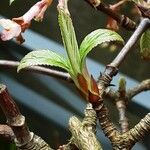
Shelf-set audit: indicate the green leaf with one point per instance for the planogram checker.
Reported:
(68, 36)
(95, 38)
(12, 147)
(43, 57)
(145, 45)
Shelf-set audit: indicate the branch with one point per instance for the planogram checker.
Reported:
(6, 133)
(68, 146)
(144, 24)
(24, 139)
(124, 140)
(101, 110)
(127, 140)
(121, 103)
(83, 133)
(107, 126)
(112, 95)
(38, 69)
(143, 86)
(123, 20)
(14, 117)
(140, 130)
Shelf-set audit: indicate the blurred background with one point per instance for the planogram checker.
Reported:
(48, 103)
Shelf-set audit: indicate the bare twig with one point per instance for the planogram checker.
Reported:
(121, 103)
(123, 20)
(42, 70)
(6, 133)
(121, 106)
(143, 86)
(130, 93)
(119, 3)
(144, 24)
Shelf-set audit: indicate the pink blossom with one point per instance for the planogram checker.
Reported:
(11, 29)
(36, 11)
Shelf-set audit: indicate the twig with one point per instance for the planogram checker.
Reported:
(6, 133)
(123, 20)
(38, 69)
(121, 106)
(24, 139)
(130, 93)
(112, 94)
(144, 24)
(121, 2)
(143, 86)
(121, 103)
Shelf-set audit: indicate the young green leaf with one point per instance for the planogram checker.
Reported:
(43, 57)
(68, 36)
(145, 45)
(95, 38)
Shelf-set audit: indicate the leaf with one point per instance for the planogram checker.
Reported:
(95, 38)
(68, 36)
(145, 45)
(12, 147)
(43, 57)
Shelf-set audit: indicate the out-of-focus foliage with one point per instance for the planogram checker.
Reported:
(145, 45)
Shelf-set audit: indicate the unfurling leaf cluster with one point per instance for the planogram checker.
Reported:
(75, 63)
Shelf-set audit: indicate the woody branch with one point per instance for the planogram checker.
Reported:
(6, 133)
(122, 20)
(24, 139)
